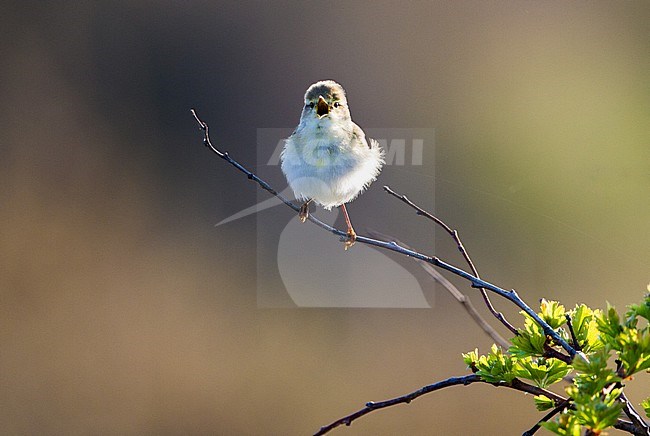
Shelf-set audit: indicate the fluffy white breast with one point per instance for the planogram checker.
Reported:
(330, 162)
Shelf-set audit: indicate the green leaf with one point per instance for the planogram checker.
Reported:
(634, 346)
(495, 367)
(598, 412)
(638, 310)
(543, 372)
(609, 324)
(594, 391)
(552, 312)
(529, 341)
(566, 424)
(471, 358)
(646, 406)
(542, 402)
(593, 375)
(585, 327)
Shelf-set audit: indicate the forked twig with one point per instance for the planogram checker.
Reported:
(454, 234)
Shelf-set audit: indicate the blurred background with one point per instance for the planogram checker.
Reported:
(124, 310)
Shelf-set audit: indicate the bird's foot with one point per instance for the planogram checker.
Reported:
(350, 239)
(304, 212)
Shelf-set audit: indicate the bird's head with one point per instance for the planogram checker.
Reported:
(326, 100)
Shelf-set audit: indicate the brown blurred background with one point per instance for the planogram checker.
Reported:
(125, 311)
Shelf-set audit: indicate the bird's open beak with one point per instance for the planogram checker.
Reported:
(322, 108)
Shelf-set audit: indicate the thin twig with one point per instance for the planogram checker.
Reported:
(372, 406)
(549, 415)
(224, 155)
(453, 381)
(392, 246)
(553, 353)
(574, 339)
(455, 292)
(454, 234)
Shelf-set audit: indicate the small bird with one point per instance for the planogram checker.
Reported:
(327, 159)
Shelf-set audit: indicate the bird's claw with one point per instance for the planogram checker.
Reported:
(304, 212)
(350, 239)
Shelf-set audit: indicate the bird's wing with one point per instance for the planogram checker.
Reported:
(358, 134)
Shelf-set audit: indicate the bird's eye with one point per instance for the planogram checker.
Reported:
(337, 104)
(310, 105)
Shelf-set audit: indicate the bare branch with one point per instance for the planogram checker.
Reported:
(455, 292)
(392, 246)
(224, 155)
(461, 248)
(516, 384)
(372, 406)
(553, 353)
(453, 381)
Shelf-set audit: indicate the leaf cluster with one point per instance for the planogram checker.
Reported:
(609, 351)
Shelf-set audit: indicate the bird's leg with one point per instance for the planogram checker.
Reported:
(304, 211)
(352, 236)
